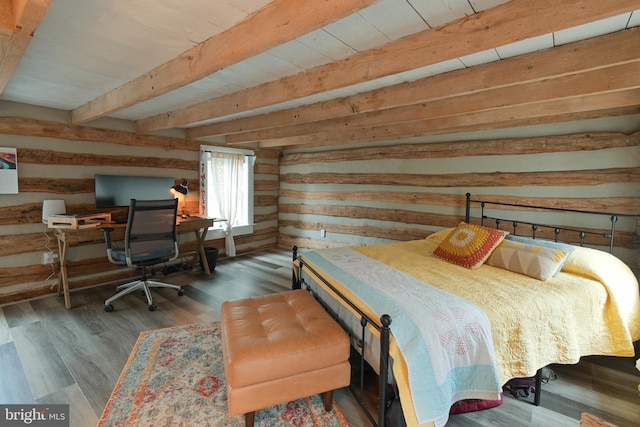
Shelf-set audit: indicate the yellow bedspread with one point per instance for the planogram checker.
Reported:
(591, 307)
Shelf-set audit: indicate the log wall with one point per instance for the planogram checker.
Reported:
(403, 192)
(358, 195)
(59, 161)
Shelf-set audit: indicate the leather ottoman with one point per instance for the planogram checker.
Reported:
(278, 348)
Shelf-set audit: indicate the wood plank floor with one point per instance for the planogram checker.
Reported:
(52, 355)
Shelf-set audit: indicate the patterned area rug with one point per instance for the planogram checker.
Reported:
(175, 377)
(588, 420)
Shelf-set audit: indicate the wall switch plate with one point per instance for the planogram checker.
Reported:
(323, 233)
(49, 257)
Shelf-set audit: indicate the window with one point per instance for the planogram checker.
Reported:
(226, 190)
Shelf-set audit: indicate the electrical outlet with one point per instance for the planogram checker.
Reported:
(323, 232)
(49, 257)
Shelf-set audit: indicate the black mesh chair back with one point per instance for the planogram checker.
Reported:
(151, 235)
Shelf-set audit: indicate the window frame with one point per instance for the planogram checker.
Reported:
(218, 229)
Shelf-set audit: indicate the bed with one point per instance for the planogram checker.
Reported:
(445, 331)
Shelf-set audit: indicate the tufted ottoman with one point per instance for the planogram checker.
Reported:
(278, 348)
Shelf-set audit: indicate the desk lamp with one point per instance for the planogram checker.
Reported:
(184, 190)
(52, 207)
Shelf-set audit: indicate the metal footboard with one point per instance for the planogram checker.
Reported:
(382, 325)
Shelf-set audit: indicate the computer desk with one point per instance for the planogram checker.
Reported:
(68, 236)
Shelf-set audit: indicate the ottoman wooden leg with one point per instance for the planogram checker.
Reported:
(328, 400)
(249, 418)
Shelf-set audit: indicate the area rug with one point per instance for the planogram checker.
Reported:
(175, 377)
(589, 420)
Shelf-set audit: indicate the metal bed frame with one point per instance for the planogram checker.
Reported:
(383, 324)
(536, 227)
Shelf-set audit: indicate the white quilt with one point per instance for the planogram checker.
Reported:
(445, 340)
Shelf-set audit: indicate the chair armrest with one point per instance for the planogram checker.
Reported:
(107, 239)
(107, 235)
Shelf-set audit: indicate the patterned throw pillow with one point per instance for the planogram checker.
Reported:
(469, 245)
(534, 261)
(541, 242)
(547, 244)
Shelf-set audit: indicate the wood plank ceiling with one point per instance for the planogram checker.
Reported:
(285, 73)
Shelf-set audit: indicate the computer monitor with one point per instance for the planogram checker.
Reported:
(118, 190)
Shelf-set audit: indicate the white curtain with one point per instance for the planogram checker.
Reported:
(223, 172)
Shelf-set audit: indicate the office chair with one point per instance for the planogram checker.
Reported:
(150, 238)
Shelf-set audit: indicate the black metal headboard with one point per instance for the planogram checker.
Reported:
(535, 227)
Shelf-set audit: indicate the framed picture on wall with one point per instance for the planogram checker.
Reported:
(8, 171)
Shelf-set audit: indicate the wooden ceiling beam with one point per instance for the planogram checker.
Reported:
(510, 22)
(597, 81)
(515, 123)
(17, 32)
(7, 22)
(507, 116)
(277, 23)
(611, 49)
(554, 111)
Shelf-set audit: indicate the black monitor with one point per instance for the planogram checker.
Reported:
(118, 190)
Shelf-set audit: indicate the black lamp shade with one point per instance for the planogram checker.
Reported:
(182, 188)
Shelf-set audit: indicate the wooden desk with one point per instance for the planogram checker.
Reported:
(67, 236)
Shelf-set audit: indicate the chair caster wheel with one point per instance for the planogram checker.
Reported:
(152, 307)
(180, 292)
(108, 308)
